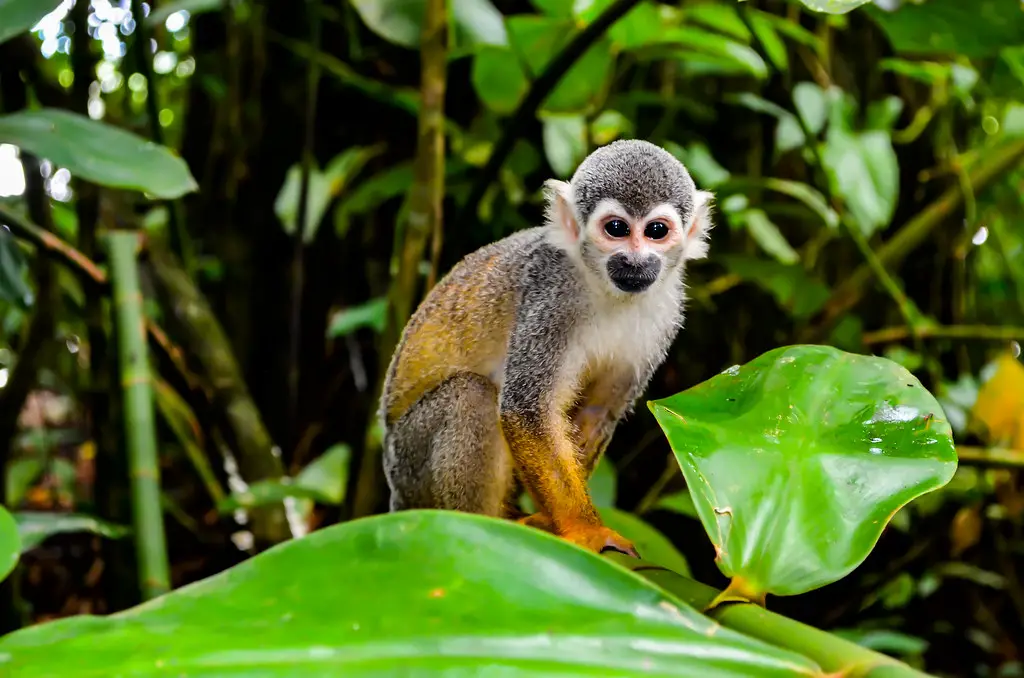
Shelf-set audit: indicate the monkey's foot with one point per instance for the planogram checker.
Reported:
(599, 539)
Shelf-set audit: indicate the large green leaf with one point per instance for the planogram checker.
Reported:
(475, 22)
(797, 460)
(10, 545)
(977, 28)
(98, 152)
(35, 526)
(18, 16)
(435, 592)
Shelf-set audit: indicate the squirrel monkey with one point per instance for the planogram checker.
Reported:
(518, 365)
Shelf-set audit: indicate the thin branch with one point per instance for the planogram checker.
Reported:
(539, 91)
(54, 246)
(966, 332)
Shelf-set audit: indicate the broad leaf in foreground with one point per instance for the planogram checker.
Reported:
(98, 152)
(797, 460)
(436, 592)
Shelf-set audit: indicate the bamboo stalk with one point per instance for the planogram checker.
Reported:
(139, 421)
(833, 654)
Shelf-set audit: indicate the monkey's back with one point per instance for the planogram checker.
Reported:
(463, 324)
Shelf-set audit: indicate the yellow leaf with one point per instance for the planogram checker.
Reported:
(1000, 404)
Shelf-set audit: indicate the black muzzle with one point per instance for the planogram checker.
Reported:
(632, 275)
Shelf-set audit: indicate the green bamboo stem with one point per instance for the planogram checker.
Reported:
(835, 655)
(139, 420)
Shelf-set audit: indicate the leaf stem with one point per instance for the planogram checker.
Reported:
(539, 91)
(139, 419)
(833, 654)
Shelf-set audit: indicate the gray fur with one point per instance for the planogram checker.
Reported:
(530, 296)
(638, 174)
(447, 450)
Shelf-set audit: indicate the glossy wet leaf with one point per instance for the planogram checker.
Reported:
(35, 526)
(19, 16)
(654, 547)
(437, 592)
(98, 152)
(797, 460)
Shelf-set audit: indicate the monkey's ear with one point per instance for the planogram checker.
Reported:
(696, 246)
(560, 210)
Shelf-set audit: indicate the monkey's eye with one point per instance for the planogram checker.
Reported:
(656, 230)
(617, 228)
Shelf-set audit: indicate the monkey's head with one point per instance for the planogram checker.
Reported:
(632, 214)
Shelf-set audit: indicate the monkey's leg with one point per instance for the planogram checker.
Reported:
(603, 402)
(447, 451)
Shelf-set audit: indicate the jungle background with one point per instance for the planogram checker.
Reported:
(867, 172)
